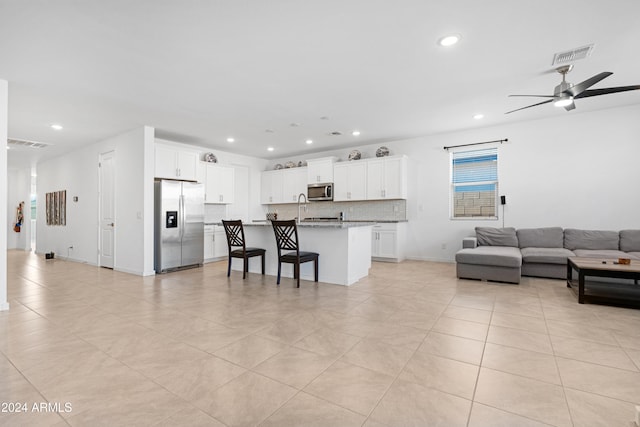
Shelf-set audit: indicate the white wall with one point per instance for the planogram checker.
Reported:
(77, 173)
(4, 108)
(575, 170)
(19, 190)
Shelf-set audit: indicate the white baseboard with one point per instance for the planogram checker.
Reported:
(4, 306)
(446, 260)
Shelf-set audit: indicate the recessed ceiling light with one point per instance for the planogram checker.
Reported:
(56, 127)
(230, 140)
(269, 130)
(355, 133)
(478, 116)
(309, 141)
(449, 40)
(270, 148)
(324, 118)
(294, 125)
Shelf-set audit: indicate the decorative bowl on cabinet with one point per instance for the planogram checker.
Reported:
(382, 152)
(355, 155)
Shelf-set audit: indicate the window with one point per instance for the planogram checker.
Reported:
(474, 184)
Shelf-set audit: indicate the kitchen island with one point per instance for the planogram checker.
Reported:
(344, 248)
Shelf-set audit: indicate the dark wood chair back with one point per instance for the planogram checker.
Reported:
(235, 233)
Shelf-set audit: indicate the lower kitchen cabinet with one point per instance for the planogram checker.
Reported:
(215, 243)
(388, 242)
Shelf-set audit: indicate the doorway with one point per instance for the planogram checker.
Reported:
(106, 195)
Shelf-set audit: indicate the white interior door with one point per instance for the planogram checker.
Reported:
(107, 209)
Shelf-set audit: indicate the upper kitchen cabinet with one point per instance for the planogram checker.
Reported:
(172, 163)
(219, 184)
(387, 178)
(271, 187)
(283, 186)
(320, 170)
(350, 181)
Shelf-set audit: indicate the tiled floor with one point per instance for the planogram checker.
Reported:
(408, 346)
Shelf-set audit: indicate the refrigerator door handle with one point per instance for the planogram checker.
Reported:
(181, 217)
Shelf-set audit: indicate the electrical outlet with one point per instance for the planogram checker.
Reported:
(443, 246)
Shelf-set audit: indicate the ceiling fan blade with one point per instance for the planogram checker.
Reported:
(529, 106)
(581, 87)
(538, 96)
(606, 91)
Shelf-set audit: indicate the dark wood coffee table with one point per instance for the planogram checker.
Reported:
(626, 293)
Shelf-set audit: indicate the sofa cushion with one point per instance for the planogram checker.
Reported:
(630, 240)
(546, 255)
(590, 239)
(499, 256)
(549, 237)
(490, 236)
(602, 253)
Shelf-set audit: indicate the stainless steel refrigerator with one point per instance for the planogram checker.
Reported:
(179, 225)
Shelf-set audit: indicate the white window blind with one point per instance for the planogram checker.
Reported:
(474, 183)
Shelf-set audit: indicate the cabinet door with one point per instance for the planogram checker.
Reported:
(319, 171)
(341, 183)
(395, 178)
(271, 187)
(357, 181)
(208, 245)
(220, 246)
(387, 241)
(294, 183)
(227, 183)
(166, 166)
(219, 184)
(187, 164)
(375, 179)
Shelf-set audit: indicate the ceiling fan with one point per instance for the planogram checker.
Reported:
(565, 93)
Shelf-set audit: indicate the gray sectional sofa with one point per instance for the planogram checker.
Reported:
(505, 254)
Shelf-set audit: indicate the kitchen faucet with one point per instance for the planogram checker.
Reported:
(305, 200)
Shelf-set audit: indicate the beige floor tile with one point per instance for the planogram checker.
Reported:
(477, 301)
(198, 381)
(294, 366)
(486, 416)
(519, 309)
(351, 387)
(523, 396)
(581, 332)
(399, 335)
(250, 351)
(248, 400)
(452, 347)
(628, 341)
(603, 380)
(411, 405)
(592, 352)
(530, 364)
(378, 356)
(447, 375)
(634, 355)
(191, 417)
(461, 328)
(309, 411)
(355, 325)
(520, 339)
(328, 342)
(414, 319)
(516, 321)
(288, 331)
(593, 410)
(470, 314)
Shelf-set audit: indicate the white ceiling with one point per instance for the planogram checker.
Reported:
(201, 71)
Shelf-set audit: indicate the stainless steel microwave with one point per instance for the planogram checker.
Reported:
(320, 191)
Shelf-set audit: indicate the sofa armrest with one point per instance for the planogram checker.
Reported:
(469, 243)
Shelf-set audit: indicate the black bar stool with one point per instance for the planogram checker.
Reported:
(287, 239)
(235, 238)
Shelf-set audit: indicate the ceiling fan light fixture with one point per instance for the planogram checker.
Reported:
(563, 101)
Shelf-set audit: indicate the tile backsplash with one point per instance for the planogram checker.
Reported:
(370, 210)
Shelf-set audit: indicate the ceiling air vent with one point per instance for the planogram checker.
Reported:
(569, 56)
(25, 144)
(335, 133)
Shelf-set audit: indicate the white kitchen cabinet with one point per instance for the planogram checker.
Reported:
(219, 184)
(215, 243)
(350, 181)
(388, 242)
(320, 170)
(294, 182)
(387, 178)
(172, 163)
(283, 186)
(271, 187)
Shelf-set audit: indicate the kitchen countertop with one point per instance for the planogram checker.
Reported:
(318, 224)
